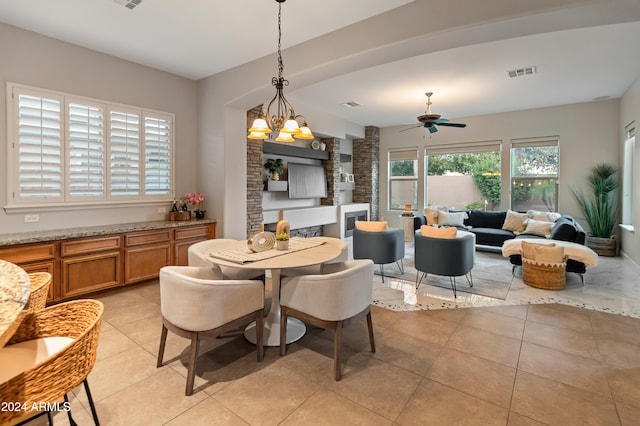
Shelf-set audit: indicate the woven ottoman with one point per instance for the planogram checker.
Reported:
(547, 276)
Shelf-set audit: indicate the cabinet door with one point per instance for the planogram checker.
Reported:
(43, 267)
(86, 274)
(181, 251)
(144, 262)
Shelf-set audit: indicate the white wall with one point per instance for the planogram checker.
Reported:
(589, 134)
(630, 112)
(44, 62)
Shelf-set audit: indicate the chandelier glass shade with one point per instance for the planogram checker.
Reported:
(280, 115)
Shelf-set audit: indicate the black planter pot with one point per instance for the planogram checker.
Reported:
(200, 214)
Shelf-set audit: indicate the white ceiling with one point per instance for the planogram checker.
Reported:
(198, 38)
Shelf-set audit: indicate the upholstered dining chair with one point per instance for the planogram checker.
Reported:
(196, 306)
(332, 301)
(452, 257)
(52, 351)
(198, 255)
(381, 247)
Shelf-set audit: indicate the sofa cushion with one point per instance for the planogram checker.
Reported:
(491, 236)
(371, 226)
(543, 216)
(431, 213)
(430, 231)
(515, 222)
(487, 219)
(451, 219)
(564, 229)
(537, 227)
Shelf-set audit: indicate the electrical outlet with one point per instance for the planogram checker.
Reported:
(162, 209)
(31, 218)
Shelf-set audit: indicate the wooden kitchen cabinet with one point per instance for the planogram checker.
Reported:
(34, 258)
(145, 253)
(184, 237)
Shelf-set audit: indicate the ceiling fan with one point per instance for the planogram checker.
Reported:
(430, 121)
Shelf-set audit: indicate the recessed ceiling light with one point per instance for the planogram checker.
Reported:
(129, 4)
(521, 72)
(351, 104)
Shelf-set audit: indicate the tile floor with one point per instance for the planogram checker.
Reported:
(503, 365)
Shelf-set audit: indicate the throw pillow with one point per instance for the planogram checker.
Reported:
(515, 222)
(430, 231)
(536, 227)
(542, 253)
(543, 216)
(371, 226)
(451, 219)
(431, 215)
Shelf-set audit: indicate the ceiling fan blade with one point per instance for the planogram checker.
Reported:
(452, 124)
(431, 129)
(409, 128)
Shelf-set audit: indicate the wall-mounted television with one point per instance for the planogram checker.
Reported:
(306, 181)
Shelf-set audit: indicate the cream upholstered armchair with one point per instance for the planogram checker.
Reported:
(198, 255)
(333, 300)
(196, 306)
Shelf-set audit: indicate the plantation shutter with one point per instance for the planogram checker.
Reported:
(86, 151)
(39, 139)
(124, 130)
(485, 146)
(157, 155)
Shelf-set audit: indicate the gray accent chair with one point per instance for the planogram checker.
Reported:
(381, 247)
(330, 301)
(196, 306)
(452, 257)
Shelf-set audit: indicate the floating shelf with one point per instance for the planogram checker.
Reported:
(294, 151)
(275, 185)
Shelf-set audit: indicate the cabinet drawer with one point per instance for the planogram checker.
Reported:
(28, 253)
(192, 232)
(150, 237)
(144, 263)
(70, 248)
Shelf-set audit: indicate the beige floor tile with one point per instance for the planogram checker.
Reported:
(112, 342)
(328, 408)
(494, 323)
(517, 311)
(436, 404)
(423, 326)
(383, 317)
(268, 396)
(378, 386)
(555, 403)
(582, 373)
(516, 419)
(144, 330)
(206, 413)
(628, 415)
(152, 401)
(574, 342)
(476, 376)
(618, 329)
(316, 366)
(409, 353)
(494, 347)
(558, 316)
(619, 353)
(115, 373)
(624, 383)
(148, 290)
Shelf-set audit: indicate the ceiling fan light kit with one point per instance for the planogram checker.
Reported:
(280, 115)
(430, 121)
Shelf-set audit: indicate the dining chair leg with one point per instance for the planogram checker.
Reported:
(372, 341)
(91, 404)
(337, 362)
(71, 421)
(193, 356)
(163, 341)
(283, 331)
(259, 335)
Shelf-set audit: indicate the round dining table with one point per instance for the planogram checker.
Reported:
(15, 287)
(327, 250)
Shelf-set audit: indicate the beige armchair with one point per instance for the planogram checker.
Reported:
(196, 306)
(198, 255)
(336, 299)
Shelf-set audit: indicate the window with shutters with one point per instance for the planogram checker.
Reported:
(72, 150)
(534, 174)
(403, 179)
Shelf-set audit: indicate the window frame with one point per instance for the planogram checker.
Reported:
(159, 142)
(403, 154)
(627, 178)
(547, 141)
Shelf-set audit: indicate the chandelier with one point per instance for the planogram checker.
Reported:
(280, 115)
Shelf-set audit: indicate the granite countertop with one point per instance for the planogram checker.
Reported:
(14, 294)
(93, 231)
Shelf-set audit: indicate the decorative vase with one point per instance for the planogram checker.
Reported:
(200, 214)
(275, 176)
(282, 245)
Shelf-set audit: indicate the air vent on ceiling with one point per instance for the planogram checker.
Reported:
(351, 104)
(129, 4)
(521, 72)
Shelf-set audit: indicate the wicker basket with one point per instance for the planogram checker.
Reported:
(40, 282)
(550, 276)
(60, 373)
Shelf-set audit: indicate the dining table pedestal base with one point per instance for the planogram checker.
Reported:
(271, 337)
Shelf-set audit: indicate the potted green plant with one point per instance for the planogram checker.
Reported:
(600, 209)
(282, 241)
(275, 167)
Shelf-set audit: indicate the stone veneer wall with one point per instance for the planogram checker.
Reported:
(332, 168)
(366, 165)
(255, 185)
